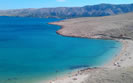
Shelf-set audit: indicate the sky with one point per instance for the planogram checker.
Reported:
(18, 4)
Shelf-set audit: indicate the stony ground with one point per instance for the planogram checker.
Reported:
(124, 75)
(108, 27)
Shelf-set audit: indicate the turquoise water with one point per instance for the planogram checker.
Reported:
(30, 50)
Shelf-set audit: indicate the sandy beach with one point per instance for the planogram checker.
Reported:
(119, 27)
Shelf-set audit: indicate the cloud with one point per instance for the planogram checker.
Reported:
(60, 0)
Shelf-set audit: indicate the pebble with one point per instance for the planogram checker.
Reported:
(74, 78)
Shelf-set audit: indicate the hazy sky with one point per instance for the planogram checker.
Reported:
(17, 4)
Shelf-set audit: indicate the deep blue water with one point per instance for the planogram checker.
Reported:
(30, 50)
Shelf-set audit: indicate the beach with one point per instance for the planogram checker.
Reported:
(119, 28)
(121, 65)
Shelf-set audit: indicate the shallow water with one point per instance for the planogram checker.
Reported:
(30, 50)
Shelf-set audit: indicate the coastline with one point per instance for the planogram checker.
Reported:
(118, 62)
(71, 35)
(122, 61)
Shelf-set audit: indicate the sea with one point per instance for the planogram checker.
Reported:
(31, 50)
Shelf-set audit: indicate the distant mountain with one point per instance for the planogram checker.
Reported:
(71, 12)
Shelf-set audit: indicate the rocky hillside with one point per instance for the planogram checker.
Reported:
(71, 12)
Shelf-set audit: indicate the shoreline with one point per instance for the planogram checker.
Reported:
(62, 27)
(78, 76)
(122, 60)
